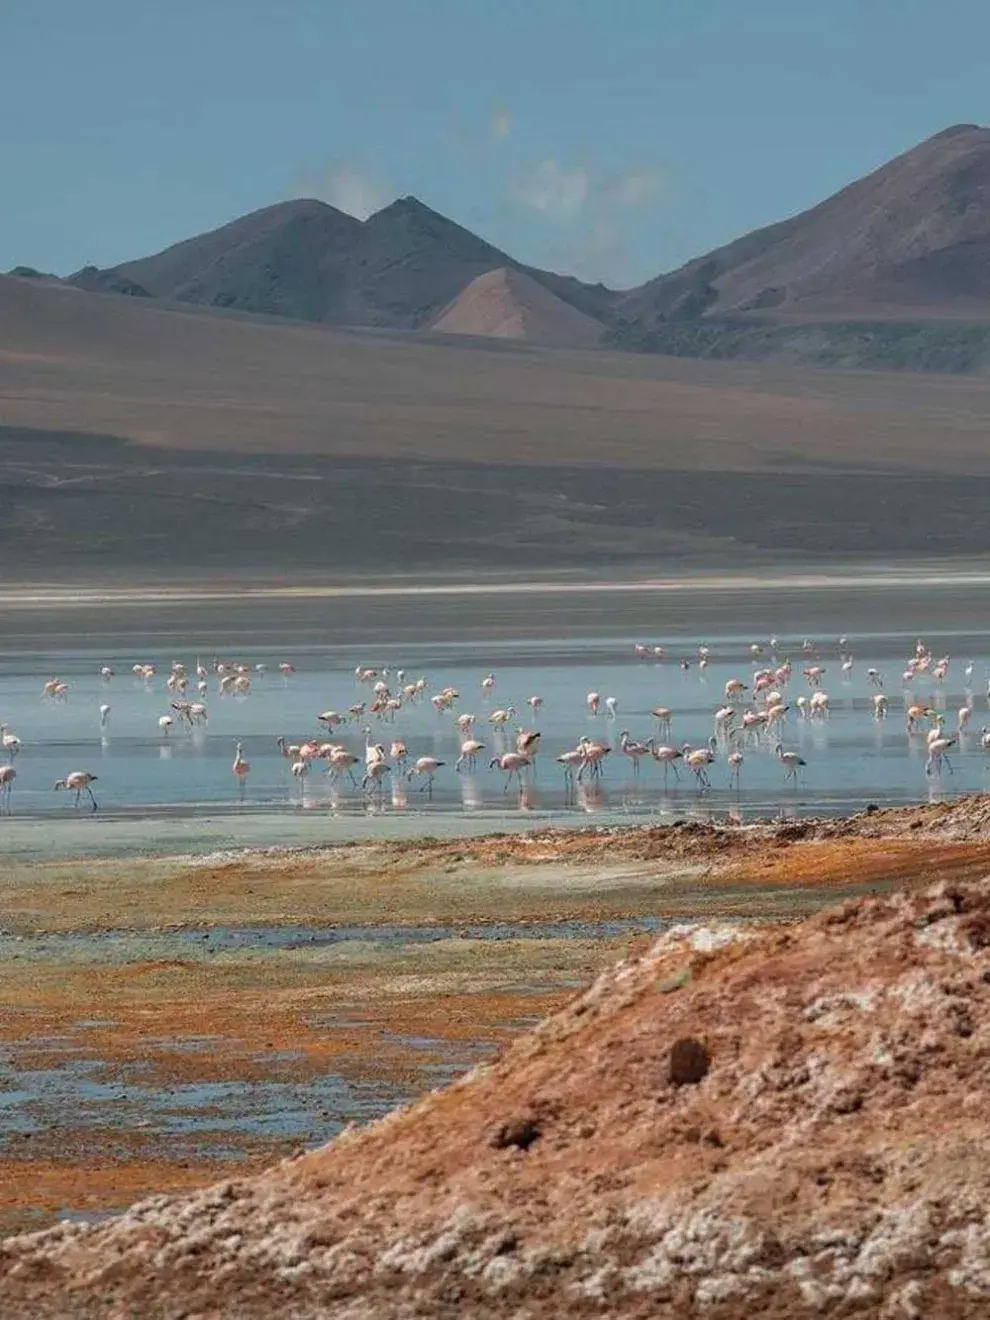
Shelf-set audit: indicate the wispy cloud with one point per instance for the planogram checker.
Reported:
(349, 188)
(590, 214)
(635, 187)
(550, 188)
(501, 125)
(356, 193)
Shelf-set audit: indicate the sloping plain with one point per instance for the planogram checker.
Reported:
(142, 437)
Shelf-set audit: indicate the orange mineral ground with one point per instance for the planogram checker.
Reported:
(780, 1121)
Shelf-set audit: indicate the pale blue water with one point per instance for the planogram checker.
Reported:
(852, 759)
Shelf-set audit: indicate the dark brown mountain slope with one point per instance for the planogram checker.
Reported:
(912, 237)
(306, 260)
(287, 260)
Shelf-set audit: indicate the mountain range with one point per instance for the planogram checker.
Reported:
(302, 392)
(906, 246)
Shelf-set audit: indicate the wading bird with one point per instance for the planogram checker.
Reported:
(790, 761)
(468, 758)
(78, 782)
(7, 776)
(510, 763)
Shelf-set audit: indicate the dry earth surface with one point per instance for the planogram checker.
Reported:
(180, 441)
(738, 1120)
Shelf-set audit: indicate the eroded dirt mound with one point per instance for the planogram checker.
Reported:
(778, 1123)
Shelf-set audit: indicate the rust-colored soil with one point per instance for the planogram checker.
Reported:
(832, 1157)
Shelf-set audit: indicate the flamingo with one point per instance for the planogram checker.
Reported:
(915, 714)
(470, 748)
(880, 705)
(426, 767)
(663, 716)
(78, 781)
(985, 738)
(698, 760)
(399, 753)
(668, 758)
(875, 677)
(165, 724)
(594, 701)
(499, 718)
(343, 762)
(610, 706)
(9, 742)
(510, 763)
(818, 705)
(634, 750)
(241, 767)
(374, 779)
(528, 742)
(106, 673)
(569, 760)
(723, 720)
(963, 717)
(104, 715)
(488, 684)
(734, 688)
(594, 754)
(735, 760)
(790, 761)
(7, 776)
(535, 704)
(300, 769)
(465, 723)
(937, 749)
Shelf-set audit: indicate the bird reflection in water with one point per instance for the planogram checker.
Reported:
(529, 798)
(591, 797)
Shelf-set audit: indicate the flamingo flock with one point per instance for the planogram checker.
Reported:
(759, 710)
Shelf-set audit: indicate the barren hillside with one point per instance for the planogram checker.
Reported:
(913, 236)
(788, 1123)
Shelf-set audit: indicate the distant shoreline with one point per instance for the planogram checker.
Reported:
(43, 596)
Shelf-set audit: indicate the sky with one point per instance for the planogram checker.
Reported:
(612, 139)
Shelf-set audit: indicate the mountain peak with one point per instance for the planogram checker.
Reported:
(959, 130)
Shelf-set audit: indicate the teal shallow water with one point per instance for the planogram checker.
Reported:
(177, 793)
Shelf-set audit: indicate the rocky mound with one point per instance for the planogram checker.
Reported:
(506, 304)
(780, 1124)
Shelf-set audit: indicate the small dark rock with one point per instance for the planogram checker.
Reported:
(518, 1132)
(689, 1061)
(872, 809)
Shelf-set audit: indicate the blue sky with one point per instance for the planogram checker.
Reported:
(611, 138)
